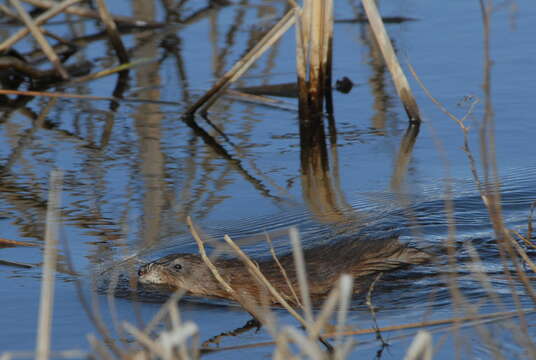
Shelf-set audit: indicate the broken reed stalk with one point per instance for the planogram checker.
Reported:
(40, 38)
(401, 83)
(314, 38)
(240, 67)
(41, 19)
(46, 302)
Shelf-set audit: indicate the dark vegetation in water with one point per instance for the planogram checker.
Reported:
(313, 281)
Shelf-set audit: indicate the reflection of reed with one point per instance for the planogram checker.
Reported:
(202, 186)
(148, 119)
(404, 156)
(377, 82)
(211, 142)
(320, 185)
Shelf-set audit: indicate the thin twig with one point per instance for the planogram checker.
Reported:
(373, 312)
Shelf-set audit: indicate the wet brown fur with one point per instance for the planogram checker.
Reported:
(324, 264)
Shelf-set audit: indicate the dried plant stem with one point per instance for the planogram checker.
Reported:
(243, 64)
(522, 253)
(485, 317)
(34, 29)
(300, 267)
(401, 83)
(145, 340)
(314, 39)
(46, 302)
(421, 347)
(262, 279)
(301, 272)
(113, 34)
(283, 272)
(206, 259)
(317, 51)
(372, 311)
(41, 19)
(525, 239)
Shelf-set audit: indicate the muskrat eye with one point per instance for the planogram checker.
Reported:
(177, 266)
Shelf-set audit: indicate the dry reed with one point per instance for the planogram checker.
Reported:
(401, 83)
(46, 302)
(40, 38)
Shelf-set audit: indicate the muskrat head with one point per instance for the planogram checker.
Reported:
(184, 271)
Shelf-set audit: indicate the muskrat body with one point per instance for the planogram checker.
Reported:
(361, 259)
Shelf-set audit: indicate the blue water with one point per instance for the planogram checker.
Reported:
(129, 191)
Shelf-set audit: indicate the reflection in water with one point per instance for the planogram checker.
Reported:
(403, 158)
(320, 185)
(382, 99)
(125, 163)
(148, 119)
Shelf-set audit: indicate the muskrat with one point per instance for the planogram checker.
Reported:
(324, 264)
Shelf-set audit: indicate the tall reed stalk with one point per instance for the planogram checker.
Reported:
(401, 83)
(49, 266)
(314, 38)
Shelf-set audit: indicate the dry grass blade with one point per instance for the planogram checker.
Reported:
(41, 19)
(207, 261)
(301, 273)
(159, 316)
(346, 286)
(99, 348)
(421, 347)
(328, 307)
(283, 272)
(525, 239)
(308, 347)
(113, 70)
(262, 279)
(46, 302)
(254, 269)
(145, 340)
(523, 254)
(401, 83)
(40, 38)
(469, 320)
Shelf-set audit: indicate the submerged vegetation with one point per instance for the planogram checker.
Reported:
(319, 329)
